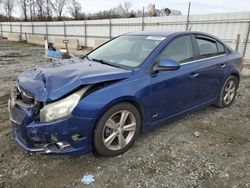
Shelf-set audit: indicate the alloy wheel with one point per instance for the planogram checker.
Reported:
(119, 130)
(229, 92)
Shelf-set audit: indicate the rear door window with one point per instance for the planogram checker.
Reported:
(207, 48)
(221, 48)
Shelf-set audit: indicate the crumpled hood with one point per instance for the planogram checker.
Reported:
(55, 80)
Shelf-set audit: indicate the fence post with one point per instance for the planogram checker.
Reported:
(21, 32)
(1, 30)
(110, 29)
(142, 23)
(47, 33)
(32, 26)
(64, 28)
(26, 38)
(237, 42)
(10, 27)
(85, 32)
(247, 37)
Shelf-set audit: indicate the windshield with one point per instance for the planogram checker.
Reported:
(128, 51)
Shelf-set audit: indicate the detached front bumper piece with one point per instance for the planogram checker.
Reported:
(69, 136)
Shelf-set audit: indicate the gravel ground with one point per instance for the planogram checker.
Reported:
(209, 148)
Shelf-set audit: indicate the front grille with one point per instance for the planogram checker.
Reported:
(20, 97)
(17, 115)
(23, 109)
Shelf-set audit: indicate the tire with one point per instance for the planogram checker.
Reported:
(223, 102)
(117, 129)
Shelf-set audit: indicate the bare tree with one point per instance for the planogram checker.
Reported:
(58, 6)
(41, 6)
(123, 9)
(43, 9)
(31, 9)
(8, 6)
(126, 6)
(0, 6)
(24, 8)
(48, 9)
(34, 7)
(75, 9)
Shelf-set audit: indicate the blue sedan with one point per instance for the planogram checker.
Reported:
(102, 101)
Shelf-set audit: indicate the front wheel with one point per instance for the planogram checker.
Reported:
(117, 129)
(228, 92)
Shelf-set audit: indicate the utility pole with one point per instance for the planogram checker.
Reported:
(47, 1)
(247, 38)
(142, 24)
(187, 24)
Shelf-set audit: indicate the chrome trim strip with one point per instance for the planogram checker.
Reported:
(21, 91)
(27, 95)
(12, 120)
(203, 59)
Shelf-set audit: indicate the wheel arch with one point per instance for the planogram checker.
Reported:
(236, 75)
(130, 100)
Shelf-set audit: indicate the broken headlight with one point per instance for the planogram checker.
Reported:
(61, 108)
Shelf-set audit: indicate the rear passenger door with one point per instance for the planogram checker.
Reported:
(212, 64)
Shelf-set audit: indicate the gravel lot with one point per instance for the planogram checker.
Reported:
(209, 148)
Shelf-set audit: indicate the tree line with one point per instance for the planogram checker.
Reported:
(40, 10)
(55, 10)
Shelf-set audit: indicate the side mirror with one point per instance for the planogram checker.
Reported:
(167, 65)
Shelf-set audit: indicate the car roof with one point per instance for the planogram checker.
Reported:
(164, 33)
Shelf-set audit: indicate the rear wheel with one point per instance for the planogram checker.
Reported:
(228, 92)
(117, 129)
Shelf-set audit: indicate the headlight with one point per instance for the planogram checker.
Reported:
(61, 108)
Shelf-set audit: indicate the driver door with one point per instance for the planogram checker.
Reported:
(174, 92)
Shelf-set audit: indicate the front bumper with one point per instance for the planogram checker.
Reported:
(69, 136)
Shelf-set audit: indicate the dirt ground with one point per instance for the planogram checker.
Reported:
(169, 156)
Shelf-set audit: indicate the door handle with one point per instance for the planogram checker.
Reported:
(223, 65)
(193, 75)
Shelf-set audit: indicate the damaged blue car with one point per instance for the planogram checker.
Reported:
(102, 101)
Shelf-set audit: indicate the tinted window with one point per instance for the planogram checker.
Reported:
(221, 48)
(207, 47)
(179, 49)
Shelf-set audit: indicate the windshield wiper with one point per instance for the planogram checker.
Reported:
(105, 62)
(85, 56)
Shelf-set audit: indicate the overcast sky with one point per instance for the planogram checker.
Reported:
(198, 6)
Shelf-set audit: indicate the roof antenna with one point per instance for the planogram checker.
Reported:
(190, 28)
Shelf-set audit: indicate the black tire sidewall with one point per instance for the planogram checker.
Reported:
(99, 146)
